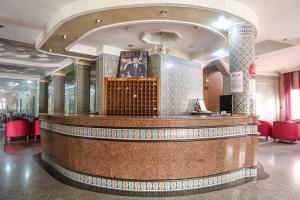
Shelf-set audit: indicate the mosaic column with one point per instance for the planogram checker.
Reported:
(241, 59)
(82, 91)
(43, 96)
(59, 93)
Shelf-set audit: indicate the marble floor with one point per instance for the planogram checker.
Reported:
(21, 177)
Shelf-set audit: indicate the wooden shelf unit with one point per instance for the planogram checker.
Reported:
(132, 96)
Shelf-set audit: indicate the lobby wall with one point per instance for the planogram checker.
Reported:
(267, 98)
(181, 82)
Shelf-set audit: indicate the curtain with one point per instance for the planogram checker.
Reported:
(288, 86)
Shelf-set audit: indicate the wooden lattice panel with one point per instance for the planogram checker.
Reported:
(132, 96)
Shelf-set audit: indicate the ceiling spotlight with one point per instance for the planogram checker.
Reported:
(1, 26)
(163, 12)
(65, 36)
(98, 21)
(286, 39)
(222, 23)
(130, 45)
(20, 49)
(50, 50)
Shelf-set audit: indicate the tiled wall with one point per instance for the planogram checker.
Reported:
(181, 82)
(107, 66)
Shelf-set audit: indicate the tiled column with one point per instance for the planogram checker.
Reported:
(241, 56)
(43, 96)
(82, 80)
(59, 93)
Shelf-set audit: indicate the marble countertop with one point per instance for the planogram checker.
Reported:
(148, 122)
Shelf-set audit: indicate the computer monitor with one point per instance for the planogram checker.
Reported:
(226, 103)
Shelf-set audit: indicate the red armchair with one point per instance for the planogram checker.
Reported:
(36, 127)
(288, 131)
(265, 129)
(17, 128)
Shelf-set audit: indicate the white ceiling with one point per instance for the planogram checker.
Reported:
(25, 19)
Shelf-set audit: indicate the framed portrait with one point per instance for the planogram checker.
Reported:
(133, 64)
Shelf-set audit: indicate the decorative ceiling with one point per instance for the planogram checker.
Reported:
(19, 58)
(25, 52)
(190, 40)
(70, 32)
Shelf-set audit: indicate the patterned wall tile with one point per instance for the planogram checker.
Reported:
(241, 56)
(153, 186)
(59, 93)
(82, 88)
(180, 81)
(43, 97)
(152, 134)
(106, 66)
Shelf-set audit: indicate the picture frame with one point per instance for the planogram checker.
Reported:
(133, 64)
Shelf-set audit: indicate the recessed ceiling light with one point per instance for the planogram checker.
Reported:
(98, 21)
(50, 50)
(130, 45)
(1, 26)
(286, 39)
(163, 12)
(222, 23)
(65, 36)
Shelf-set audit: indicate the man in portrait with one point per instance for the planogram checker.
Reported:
(135, 69)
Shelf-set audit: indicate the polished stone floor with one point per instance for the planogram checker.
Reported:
(21, 177)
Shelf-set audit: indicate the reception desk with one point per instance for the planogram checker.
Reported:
(151, 154)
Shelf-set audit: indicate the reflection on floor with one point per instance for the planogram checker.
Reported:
(21, 177)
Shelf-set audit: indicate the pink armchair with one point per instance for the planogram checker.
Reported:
(265, 129)
(288, 131)
(17, 128)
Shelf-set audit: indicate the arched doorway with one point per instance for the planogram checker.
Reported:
(215, 84)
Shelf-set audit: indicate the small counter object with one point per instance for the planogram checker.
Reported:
(151, 154)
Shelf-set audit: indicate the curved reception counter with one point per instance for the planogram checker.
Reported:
(151, 154)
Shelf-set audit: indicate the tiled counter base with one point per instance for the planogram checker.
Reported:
(155, 160)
